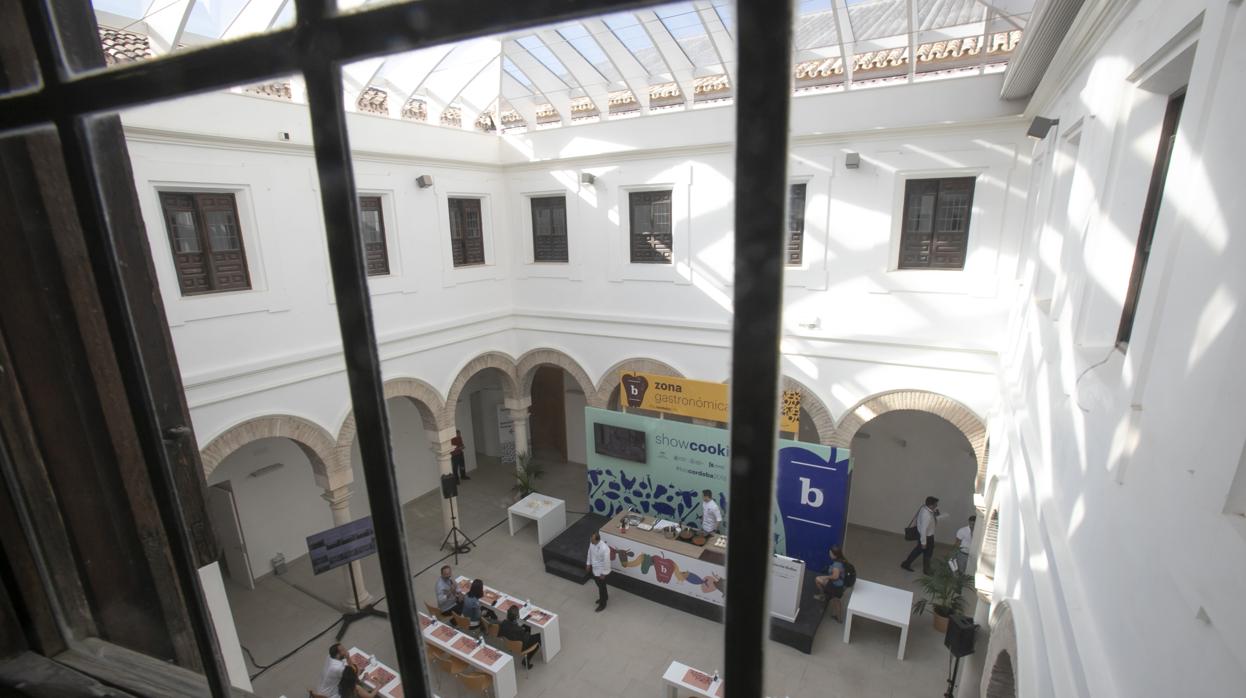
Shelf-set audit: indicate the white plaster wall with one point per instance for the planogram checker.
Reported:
(1117, 534)
(908, 456)
(279, 509)
(415, 460)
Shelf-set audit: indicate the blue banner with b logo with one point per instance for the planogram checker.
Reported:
(666, 476)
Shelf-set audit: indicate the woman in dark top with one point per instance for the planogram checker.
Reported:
(351, 687)
(512, 629)
(471, 604)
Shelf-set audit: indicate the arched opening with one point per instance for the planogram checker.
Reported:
(480, 413)
(898, 459)
(415, 455)
(263, 502)
(559, 390)
(1003, 681)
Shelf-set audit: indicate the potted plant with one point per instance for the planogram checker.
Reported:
(527, 471)
(944, 591)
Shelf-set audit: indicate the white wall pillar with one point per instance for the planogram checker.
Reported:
(339, 504)
(517, 410)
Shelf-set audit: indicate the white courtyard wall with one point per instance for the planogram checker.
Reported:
(1121, 543)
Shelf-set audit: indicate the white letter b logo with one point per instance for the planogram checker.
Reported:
(809, 496)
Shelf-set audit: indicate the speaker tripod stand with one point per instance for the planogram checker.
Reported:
(452, 538)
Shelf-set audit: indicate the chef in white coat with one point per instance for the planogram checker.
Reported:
(711, 514)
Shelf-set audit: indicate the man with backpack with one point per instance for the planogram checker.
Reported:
(839, 578)
(921, 529)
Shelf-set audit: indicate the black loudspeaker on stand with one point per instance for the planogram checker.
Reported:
(450, 490)
(959, 641)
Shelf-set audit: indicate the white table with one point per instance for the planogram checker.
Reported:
(881, 603)
(675, 681)
(544, 623)
(550, 515)
(450, 640)
(376, 674)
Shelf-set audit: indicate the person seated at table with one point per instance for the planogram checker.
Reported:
(351, 686)
(832, 584)
(471, 603)
(449, 600)
(512, 629)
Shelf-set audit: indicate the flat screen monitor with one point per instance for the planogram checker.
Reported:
(619, 442)
(341, 544)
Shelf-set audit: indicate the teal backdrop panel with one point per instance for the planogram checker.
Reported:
(680, 460)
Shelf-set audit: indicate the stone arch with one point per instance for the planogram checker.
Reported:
(610, 379)
(313, 439)
(532, 360)
(425, 398)
(1000, 678)
(815, 408)
(492, 359)
(960, 416)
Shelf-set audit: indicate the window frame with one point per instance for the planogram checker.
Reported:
(484, 251)
(904, 216)
(204, 237)
(631, 226)
(380, 212)
(566, 227)
(65, 42)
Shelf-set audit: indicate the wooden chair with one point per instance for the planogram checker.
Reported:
(492, 630)
(313, 694)
(433, 610)
(476, 682)
(464, 624)
(515, 647)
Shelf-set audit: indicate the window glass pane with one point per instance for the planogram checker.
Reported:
(222, 231)
(185, 238)
(372, 226)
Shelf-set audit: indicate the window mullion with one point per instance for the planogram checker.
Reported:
(761, 197)
(205, 241)
(363, 366)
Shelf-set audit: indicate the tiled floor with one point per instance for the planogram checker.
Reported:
(621, 652)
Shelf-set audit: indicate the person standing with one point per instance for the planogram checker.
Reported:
(925, 521)
(964, 538)
(598, 564)
(331, 675)
(457, 461)
(711, 514)
(449, 600)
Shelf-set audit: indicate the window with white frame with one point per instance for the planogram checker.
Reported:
(549, 229)
(650, 239)
(467, 239)
(934, 233)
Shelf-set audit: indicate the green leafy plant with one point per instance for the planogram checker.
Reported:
(527, 472)
(944, 590)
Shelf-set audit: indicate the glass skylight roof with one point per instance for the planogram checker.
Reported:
(667, 56)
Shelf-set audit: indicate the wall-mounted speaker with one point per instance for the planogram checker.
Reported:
(852, 161)
(1040, 127)
(960, 635)
(587, 178)
(424, 181)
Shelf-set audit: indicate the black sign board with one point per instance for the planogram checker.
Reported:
(338, 546)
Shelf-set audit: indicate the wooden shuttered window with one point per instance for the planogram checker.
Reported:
(206, 240)
(549, 229)
(650, 220)
(935, 233)
(372, 228)
(796, 225)
(467, 237)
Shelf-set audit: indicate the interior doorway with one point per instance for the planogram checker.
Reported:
(223, 515)
(549, 413)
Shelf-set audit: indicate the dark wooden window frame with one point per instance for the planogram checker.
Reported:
(76, 100)
(794, 237)
(466, 250)
(938, 254)
(214, 262)
(551, 250)
(376, 254)
(633, 244)
(1150, 215)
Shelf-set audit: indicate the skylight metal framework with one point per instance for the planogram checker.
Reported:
(669, 56)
